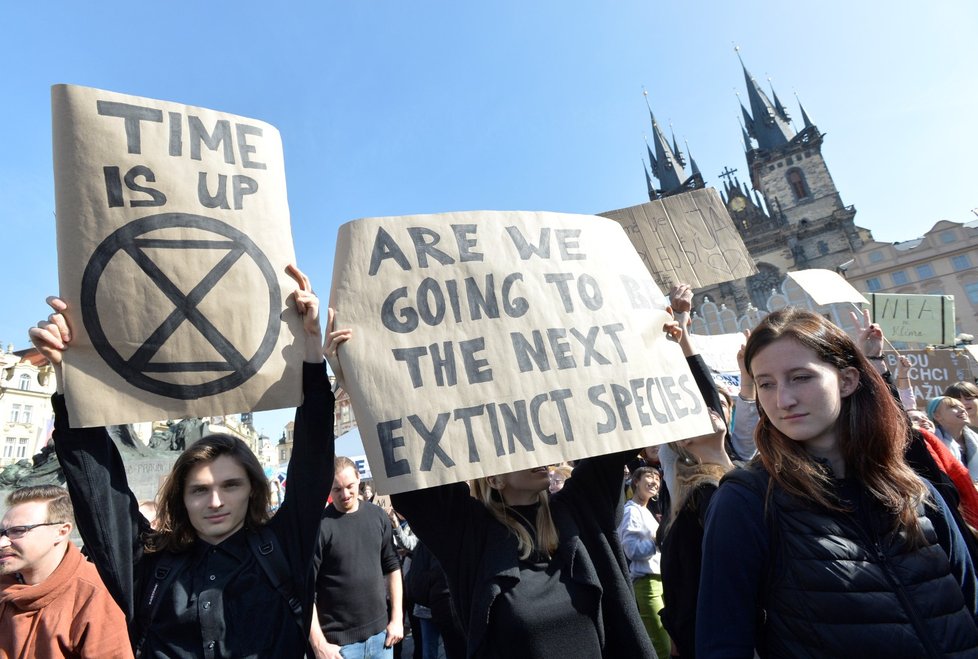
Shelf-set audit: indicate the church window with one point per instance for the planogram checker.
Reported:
(873, 284)
(948, 237)
(925, 271)
(823, 247)
(900, 278)
(961, 262)
(797, 183)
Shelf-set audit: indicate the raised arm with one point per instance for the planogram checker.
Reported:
(310, 472)
(106, 511)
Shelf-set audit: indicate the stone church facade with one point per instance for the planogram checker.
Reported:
(791, 216)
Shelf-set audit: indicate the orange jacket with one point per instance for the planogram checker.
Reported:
(70, 614)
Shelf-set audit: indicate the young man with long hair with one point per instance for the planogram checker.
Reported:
(203, 584)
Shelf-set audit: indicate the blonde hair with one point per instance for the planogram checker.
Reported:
(546, 533)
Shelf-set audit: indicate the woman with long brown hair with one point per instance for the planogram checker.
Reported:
(828, 544)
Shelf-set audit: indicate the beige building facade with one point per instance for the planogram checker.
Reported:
(26, 416)
(942, 262)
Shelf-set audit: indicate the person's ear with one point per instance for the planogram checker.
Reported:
(848, 381)
(64, 532)
(496, 482)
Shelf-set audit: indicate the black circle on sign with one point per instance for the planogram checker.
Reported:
(127, 239)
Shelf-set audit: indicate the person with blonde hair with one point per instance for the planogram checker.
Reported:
(950, 415)
(532, 574)
(828, 544)
(52, 601)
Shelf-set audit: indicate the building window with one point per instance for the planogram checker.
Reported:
(22, 448)
(900, 278)
(948, 237)
(26, 416)
(971, 290)
(876, 257)
(796, 181)
(15, 413)
(873, 284)
(9, 446)
(925, 271)
(961, 262)
(823, 247)
(25, 382)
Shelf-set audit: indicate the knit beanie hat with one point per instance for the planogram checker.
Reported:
(932, 406)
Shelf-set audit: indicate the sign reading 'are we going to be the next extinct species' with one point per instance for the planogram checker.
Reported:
(486, 342)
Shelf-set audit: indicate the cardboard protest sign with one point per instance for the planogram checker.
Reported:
(173, 237)
(687, 238)
(914, 318)
(488, 342)
(931, 371)
(826, 287)
(719, 351)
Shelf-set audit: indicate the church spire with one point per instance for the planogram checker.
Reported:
(766, 122)
(675, 147)
(666, 167)
(653, 195)
(694, 170)
(777, 103)
(804, 115)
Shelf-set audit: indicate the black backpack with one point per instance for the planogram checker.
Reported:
(264, 545)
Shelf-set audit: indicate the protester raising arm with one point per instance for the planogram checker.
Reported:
(745, 415)
(249, 614)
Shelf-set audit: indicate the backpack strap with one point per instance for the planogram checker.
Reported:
(269, 555)
(162, 578)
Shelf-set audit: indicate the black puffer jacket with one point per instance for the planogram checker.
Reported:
(846, 585)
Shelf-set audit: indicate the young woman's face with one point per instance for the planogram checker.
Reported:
(920, 420)
(801, 394)
(952, 416)
(522, 487)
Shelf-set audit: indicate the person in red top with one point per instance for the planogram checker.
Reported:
(52, 601)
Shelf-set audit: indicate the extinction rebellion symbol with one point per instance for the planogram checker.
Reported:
(137, 240)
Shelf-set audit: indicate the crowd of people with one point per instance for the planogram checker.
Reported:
(824, 515)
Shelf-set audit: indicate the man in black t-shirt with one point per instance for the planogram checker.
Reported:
(356, 570)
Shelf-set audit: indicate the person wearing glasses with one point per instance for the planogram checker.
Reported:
(52, 601)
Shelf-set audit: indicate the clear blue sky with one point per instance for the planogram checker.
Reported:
(389, 108)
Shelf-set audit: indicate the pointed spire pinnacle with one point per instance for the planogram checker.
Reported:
(765, 122)
(804, 115)
(675, 147)
(648, 183)
(694, 170)
(667, 168)
(652, 161)
(777, 102)
(743, 131)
